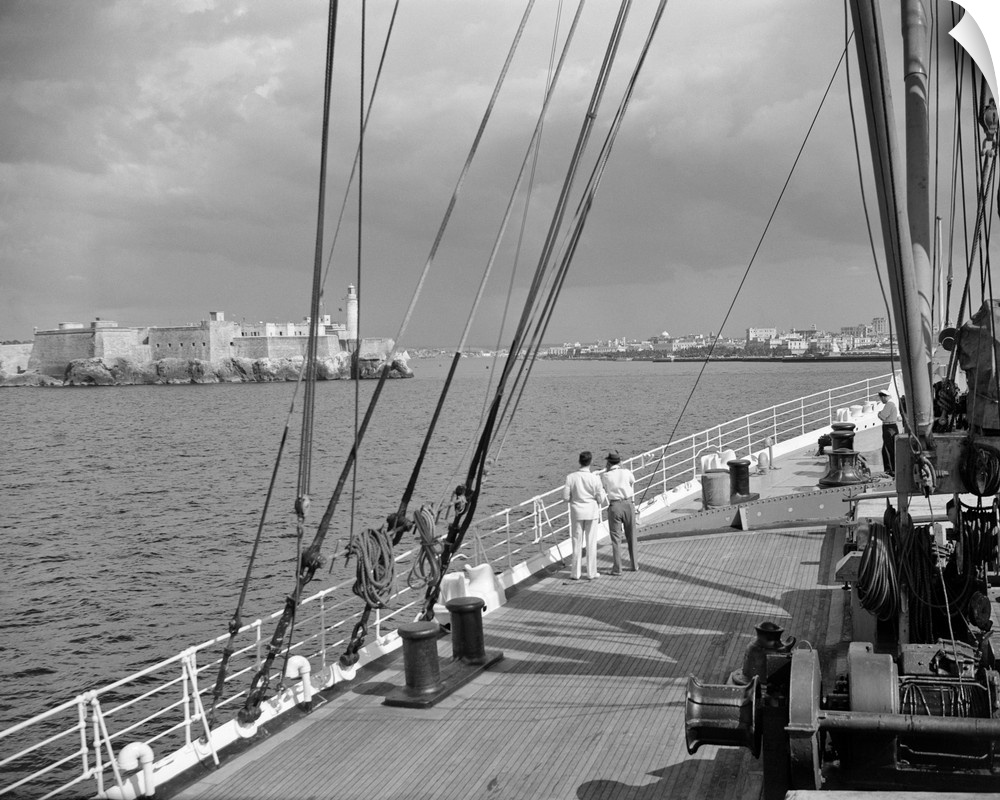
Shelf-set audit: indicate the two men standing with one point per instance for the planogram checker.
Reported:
(586, 492)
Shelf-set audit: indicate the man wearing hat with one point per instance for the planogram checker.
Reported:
(619, 483)
(890, 430)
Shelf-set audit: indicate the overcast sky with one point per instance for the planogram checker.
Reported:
(161, 159)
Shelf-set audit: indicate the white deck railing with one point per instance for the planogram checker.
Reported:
(74, 747)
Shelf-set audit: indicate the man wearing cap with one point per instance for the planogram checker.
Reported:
(890, 430)
(619, 483)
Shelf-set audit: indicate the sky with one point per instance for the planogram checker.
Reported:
(162, 160)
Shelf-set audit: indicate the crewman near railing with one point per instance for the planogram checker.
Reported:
(619, 483)
(890, 430)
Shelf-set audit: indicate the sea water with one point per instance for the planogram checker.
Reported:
(127, 514)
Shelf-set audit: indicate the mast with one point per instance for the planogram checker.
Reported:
(916, 55)
(905, 225)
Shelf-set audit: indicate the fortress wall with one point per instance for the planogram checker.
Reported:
(14, 357)
(283, 346)
(287, 346)
(222, 338)
(187, 341)
(128, 343)
(53, 350)
(252, 347)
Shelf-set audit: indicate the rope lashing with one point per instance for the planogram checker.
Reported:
(426, 566)
(375, 566)
(376, 570)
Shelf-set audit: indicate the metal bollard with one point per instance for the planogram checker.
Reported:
(467, 641)
(420, 657)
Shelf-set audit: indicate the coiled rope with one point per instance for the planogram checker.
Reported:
(376, 568)
(426, 566)
(376, 571)
(877, 584)
(980, 469)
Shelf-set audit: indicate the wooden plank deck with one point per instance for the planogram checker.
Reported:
(589, 699)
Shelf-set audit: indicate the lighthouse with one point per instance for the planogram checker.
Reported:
(352, 313)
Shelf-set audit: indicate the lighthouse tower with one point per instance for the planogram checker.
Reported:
(352, 313)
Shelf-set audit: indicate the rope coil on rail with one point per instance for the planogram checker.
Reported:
(426, 565)
(376, 568)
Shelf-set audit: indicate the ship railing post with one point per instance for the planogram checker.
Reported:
(536, 521)
(101, 739)
(510, 545)
(802, 416)
(378, 624)
(191, 665)
(662, 479)
(322, 631)
(186, 698)
(537, 513)
(81, 714)
(259, 643)
(749, 440)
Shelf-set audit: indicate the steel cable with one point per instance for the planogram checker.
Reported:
(877, 584)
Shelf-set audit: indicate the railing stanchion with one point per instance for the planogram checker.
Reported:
(81, 715)
(510, 545)
(186, 699)
(322, 631)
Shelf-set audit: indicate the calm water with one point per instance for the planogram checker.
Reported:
(128, 513)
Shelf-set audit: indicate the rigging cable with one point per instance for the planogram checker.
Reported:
(261, 679)
(568, 248)
(746, 272)
(460, 524)
(357, 153)
(550, 81)
(398, 520)
(532, 148)
(236, 621)
(578, 223)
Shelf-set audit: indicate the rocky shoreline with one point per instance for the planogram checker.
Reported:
(179, 371)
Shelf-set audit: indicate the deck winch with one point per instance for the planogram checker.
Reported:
(927, 718)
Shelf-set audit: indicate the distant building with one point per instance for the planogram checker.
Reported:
(761, 334)
(210, 340)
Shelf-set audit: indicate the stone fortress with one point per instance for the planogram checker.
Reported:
(213, 350)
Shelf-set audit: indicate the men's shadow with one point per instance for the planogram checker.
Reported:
(732, 773)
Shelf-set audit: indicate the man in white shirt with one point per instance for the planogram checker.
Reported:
(619, 483)
(585, 495)
(890, 430)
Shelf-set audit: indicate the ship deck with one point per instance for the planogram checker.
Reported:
(588, 700)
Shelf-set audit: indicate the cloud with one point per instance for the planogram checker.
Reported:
(158, 160)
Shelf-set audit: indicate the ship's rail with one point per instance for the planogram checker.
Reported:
(75, 748)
